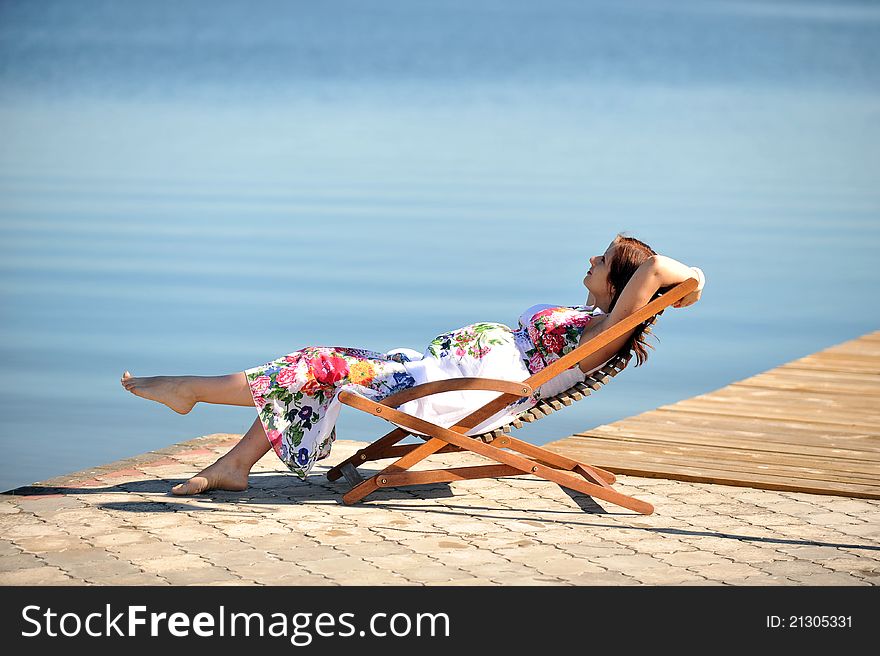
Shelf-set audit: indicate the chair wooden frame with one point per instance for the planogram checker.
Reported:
(512, 457)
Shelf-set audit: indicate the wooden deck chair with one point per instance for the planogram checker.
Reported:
(512, 457)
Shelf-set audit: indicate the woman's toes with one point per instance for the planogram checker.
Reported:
(195, 485)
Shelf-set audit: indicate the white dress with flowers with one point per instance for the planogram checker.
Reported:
(296, 395)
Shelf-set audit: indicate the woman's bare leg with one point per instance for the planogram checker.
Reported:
(230, 472)
(181, 393)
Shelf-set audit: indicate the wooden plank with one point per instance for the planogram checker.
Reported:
(831, 388)
(770, 412)
(735, 459)
(770, 428)
(793, 370)
(810, 425)
(661, 448)
(833, 364)
(613, 460)
(707, 474)
(722, 440)
(810, 398)
(767, 430)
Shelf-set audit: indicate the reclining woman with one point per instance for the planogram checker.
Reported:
(296, 395)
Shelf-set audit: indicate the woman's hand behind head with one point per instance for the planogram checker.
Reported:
(694, 296)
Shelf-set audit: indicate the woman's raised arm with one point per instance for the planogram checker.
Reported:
(655, 273)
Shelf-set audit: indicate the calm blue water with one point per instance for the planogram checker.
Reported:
(199, 187)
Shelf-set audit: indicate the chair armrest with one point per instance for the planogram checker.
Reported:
(451, 385)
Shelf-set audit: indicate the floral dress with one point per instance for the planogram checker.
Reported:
(296, 395)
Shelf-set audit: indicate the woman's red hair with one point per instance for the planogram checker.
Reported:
(629, 254)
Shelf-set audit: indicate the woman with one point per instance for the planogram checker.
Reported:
(296, 395)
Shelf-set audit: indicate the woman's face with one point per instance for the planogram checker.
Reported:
(596, 279)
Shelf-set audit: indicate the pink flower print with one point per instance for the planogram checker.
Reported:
(536, 363)
(293, 358)
(480, 352)
(534, 335)
(286, 377)
(260, 401)
(274, 436)
(328, 369)
(553, 343)
(261, 385)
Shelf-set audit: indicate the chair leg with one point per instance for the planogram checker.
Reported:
(374, 451)
(419, 453)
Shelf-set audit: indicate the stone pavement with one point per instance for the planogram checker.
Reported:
(117, 525)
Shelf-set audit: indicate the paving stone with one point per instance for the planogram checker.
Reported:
(191, 533)
(692, 559)
(465, 582)
(58, 542)
(149, 550)
(77, 557)
(11, 549)
(200, 576)
(167, 565)
(253, 528)
(630, 565)
(374, 549)
(98, 572)
(657, 546)
(18, 561)
(344, 535)
(867, 531)
(299, 554)
(856, 566)
(242, 558)
(527, 554)
(276, 542)
(830, 578)
(155, 521)
(35, 576)
(537, 580)
(563, 567)
(505, 570)
(429, 574)
(22, 530)
(591, 551)
(119, 537)
(299, 578)
(139, 578)
(671, 576)
(790, 568)
(750, 553)
(728, 571)
(344, 568)
(809, 552)
(48, 506)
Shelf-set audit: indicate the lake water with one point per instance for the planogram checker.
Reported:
(199, 187)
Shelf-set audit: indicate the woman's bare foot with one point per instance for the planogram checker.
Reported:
(169, 390)
(222, 475)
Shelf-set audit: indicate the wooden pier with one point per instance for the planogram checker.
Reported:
(811, 425)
